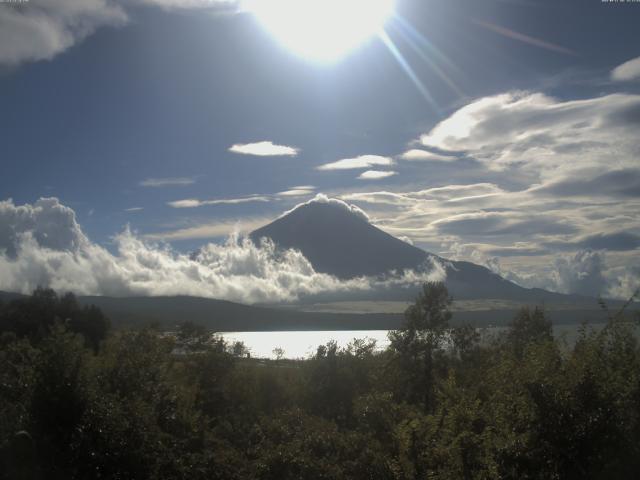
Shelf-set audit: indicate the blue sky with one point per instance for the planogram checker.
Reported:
(120, 109)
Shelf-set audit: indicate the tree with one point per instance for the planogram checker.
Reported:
(35, 316)
(239, 349)
(529, 326)
(279, 353)
(415, 346)
(464, 340)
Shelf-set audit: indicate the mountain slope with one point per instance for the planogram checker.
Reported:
(340, 242)
(337, 239)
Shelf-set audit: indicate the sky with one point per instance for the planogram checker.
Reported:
(504, 132)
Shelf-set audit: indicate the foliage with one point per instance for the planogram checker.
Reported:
(78, 403)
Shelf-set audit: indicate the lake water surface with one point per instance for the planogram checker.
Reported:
(302, 344)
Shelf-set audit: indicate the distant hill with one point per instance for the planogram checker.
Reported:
(340, 241)
(223, 316)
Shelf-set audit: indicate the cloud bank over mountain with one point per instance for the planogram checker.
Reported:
(536, 183)
(43, 244)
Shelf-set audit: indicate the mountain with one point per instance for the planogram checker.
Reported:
(339, 240)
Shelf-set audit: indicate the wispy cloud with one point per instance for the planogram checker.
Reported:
(167, 182)
(541, 135)
(194, 203)
(627, 71)
(375, 175)
(298, 191)
(133, 209)
(264, 149)
(211, 229)
(363, 161)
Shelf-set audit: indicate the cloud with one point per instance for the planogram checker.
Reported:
(194, 203)
(617, 183)
(264, 149)
(224, 5)
(363, 161)
(211, 230)
(423, 155)
(298, 191)
(405, 239)
(375, 175)
(628, 71)
(167, 182)
(619, 241)
(535, 133)
(447, 192)
(41, 29)
(379, 198)
(42, 244)
(516, 233)
(624, 283)
(581, 273)
(134, 209)
(322, 198)
(49, 223)
(503, 223)
(459, 192)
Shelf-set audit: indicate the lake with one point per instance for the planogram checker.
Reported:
(302, 344)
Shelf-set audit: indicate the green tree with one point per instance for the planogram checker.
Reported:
(416, 346)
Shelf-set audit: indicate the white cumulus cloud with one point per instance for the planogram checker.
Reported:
(627, 71)
(376, 174)
(264, 149)
(416, 154)
(43, 245)
(297, 191)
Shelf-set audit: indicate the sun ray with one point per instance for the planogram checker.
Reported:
(410, 39)
(408, 70)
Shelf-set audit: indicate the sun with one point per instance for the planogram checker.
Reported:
(322, 30)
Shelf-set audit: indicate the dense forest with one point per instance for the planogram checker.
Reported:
(79, 400)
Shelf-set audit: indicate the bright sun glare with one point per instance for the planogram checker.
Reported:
(322, 30)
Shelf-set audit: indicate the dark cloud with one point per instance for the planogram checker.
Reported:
(621, 241)
(517, 252)
(626, 116)
(619, 183)
(614, 242)
(495, 224)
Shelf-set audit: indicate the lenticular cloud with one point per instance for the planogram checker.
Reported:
(43, 245)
